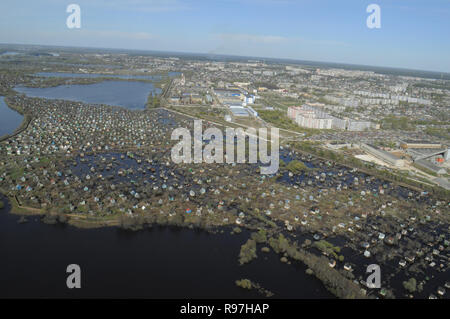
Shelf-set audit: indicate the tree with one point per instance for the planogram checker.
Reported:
(153, 101)
(260, 236)
(410, 285)
(244, 283)
(296, 167)
(248, 252)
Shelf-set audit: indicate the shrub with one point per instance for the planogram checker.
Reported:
(244, 283)
(248, 252)
(410, 285)
(260, 236)
(296, 167)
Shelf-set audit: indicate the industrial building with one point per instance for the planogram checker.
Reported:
(428, 156)
(382, 155)
(239, 111)
(419, 144)
(434, 154)
(229, 93)
(250, 99)
(430, 166)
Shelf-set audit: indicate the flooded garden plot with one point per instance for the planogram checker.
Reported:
(98, 165)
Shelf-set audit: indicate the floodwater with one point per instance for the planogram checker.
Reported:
(10, 120)
(128, 94)
(159, 262)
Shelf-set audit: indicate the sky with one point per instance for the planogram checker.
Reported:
(413, 34)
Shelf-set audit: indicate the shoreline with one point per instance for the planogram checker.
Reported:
(81, 222)
(16, 209)
(22, 127)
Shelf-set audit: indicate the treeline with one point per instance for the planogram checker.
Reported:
(268, 85)
(248, 284)
(296, 167)
(139, 221)
(279, 119)
(397, 123)
(333, 280)
(57, 81)
(153, 101)
(441, 132)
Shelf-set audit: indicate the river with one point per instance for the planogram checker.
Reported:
(9, 119)
(160, 262)
(128, 94)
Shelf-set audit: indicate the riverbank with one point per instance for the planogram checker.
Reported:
(82, 222)
(22, 127)
(54, 82)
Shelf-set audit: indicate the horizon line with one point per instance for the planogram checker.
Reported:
(232, 55)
